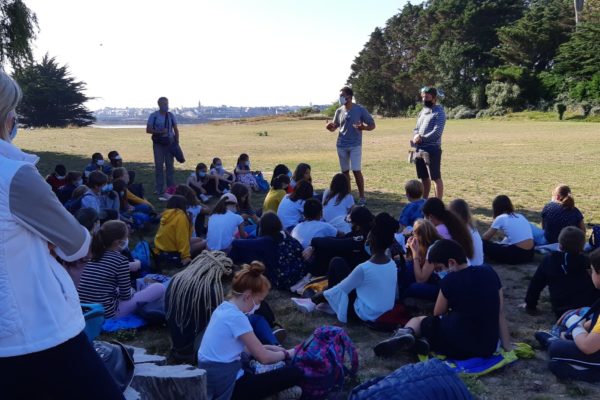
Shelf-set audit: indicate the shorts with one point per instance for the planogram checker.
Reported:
(350, 157)
(432, 331)
(435, 161)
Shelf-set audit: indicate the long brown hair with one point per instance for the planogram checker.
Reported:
(107, 235)
(456, 227)
(339, 188)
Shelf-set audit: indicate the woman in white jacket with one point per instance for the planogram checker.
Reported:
(44, 352)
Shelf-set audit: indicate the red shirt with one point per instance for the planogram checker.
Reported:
(55, 183)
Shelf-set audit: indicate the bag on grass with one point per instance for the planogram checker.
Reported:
(584, 313)
(262, 184)
(94, 319)
(118, 360)
(315, 286)
(141, 252)
(321, 358)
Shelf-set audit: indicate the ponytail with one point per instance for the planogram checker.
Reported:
(251, 277)
(108, 233)
(563, 192)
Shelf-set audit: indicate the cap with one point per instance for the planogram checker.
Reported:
(361, 216)
(229, 198)
(429, 90)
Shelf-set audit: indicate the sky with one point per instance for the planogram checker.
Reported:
(234, 52)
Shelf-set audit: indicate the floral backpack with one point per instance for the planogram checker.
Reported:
(321, 358)
(290, 264)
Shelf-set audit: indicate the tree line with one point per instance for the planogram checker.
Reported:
(488, 56)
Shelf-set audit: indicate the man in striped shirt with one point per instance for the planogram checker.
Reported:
(428, 138)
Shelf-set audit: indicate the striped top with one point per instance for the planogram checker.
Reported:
(105, 282)
(430, 127)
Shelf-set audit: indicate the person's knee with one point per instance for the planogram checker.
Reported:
(357, 173)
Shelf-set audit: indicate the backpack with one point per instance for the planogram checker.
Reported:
(74, 205)
(321, 360)
(290, 264)
(261, 182)
(94, 318)
(584, 313)
(595, 237)
(141, 252)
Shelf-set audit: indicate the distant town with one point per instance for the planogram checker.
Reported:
(195, 115)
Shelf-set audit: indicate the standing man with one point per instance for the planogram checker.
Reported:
(428, 138)
(163, 128)
(352, 119)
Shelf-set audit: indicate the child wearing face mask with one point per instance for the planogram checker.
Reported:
(229, 334)
(105, 279)
(73, 180)
(97, 164)
(243, 173)
(204, 185)
(56, 179)
(223, 224)
(225, 178)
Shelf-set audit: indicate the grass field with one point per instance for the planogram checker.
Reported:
(524, 159)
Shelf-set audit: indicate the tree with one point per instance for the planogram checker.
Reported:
(18, 26)
(51, 97)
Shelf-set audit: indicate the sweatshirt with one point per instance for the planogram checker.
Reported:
(174, 233)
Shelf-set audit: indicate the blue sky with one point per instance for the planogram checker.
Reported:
(234, 52)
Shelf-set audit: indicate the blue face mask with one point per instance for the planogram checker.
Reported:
(442, 274)
(290, 174)
(367, 249)
(107, 188)
(219, 167)
(247, 164)
(202, 174)
(164, 108)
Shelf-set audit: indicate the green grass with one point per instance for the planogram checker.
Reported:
(482, 158)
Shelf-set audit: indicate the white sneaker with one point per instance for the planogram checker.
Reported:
(298, 287)
(205, 198)
(304, 305)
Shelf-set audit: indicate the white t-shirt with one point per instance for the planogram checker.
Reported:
(332, 211)
(515, 227)
(221, 228)
(477, 259)
(194, 212)
(290, 212)
(221, 341)
(305, 231)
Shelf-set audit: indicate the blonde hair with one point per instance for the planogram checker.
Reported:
(191, 291)
(426, 233)
(250, 277)
(10, 96)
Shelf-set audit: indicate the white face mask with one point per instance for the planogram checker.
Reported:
(100, 162)
(125, 245)
(79, 183)
(60, 177)
(342, 101)
(254, 308)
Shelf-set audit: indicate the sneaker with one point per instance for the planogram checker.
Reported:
(544, 338)
(280, 334)
(362, 201)
(304, 305)
(163, 197)
(325, 308)
(299, 286)
(422, 346)
(401, 339)
(205, 198)
(293, 393)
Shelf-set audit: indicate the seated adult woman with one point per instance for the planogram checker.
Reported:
(281, 253)
(366, 292)
(517, 247)
(560, 213)
(417, 279)
(468, 318)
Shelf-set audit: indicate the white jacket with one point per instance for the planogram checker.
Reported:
(39, 305)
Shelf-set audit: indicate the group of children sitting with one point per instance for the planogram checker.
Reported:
(366, 264)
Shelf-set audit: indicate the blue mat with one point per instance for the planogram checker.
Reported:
(127, 322)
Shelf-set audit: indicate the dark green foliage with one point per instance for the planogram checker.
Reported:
(560, 109)
(18, 26)
(51, 97)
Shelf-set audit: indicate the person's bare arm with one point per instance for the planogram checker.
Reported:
(263, 354)
(441, 305)
(489, 234)
(504, 334)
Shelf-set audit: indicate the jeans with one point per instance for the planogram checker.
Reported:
(163, 156)
(149, 294)
(262, 330)
(409, 287)
(69, 371)
(564, 355)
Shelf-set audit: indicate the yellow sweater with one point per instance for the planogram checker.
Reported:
(134, 200)
(174, 233)
(273, 199)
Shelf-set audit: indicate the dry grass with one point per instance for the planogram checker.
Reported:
(523, 159)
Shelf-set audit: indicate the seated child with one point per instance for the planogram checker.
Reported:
(367, 291)
(197, 211)
(120, 173)
(468, 318)
(279, 185)
(301, 173)
(72, 181)
(204, 185)
(291, 207)
(225, 177)
(242, 195)
(56, 179)
(223, 224)
(559, 213)
(116, 161)
(97, 164)
(312, 226)
(518, 245)
(462, 210)
(243, 173)
(100, 195)
(280, 169)
(579, 358)
(174, 236)
(565, 272)
(105, 279)
(229, 334)
(414, 209)
(337, 203)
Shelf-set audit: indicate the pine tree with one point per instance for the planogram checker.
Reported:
(18, 26)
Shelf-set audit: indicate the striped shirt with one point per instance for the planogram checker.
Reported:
(430, 127)
(105, 282)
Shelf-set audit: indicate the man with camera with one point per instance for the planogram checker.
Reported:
(163, 128)
(428, 142)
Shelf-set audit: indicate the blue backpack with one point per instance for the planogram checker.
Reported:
(141, 252)
(595, 237)
(263, 185)
(94, 318)
(74, 205)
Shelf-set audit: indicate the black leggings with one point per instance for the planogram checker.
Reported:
(259, 386)
(507, 254)
(564, 354)
(338, 271)
(71, 370)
